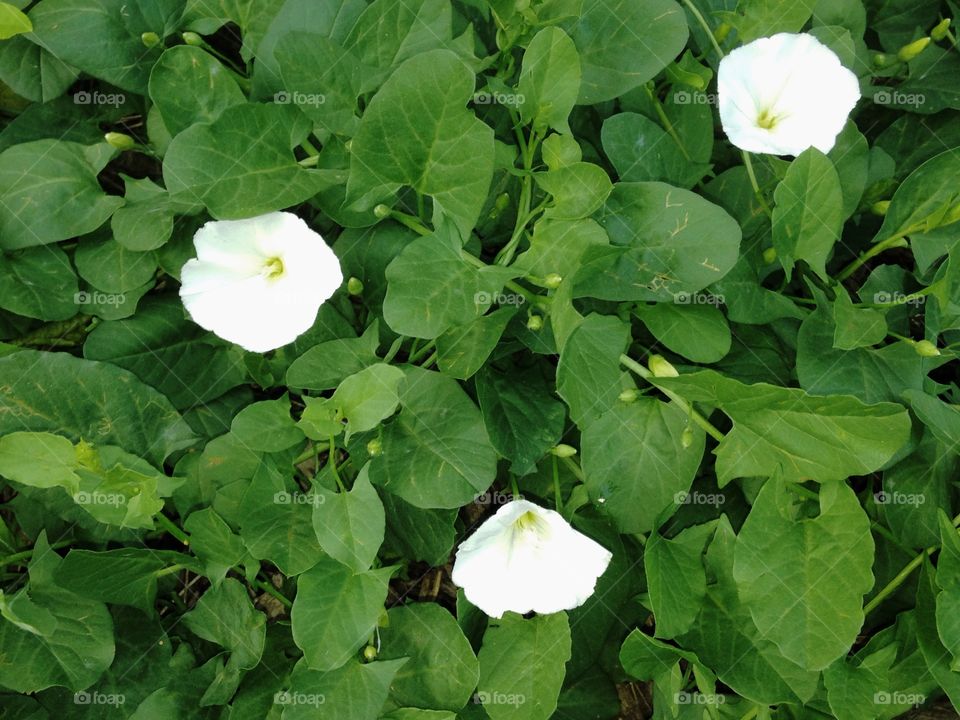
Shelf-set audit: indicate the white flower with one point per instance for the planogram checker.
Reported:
(784, 94)
(527, 558)
(259, 282)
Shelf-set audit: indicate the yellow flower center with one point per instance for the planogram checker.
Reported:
(273, 268)
(766, 119)
(527, 521)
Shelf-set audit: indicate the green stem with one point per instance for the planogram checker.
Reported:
(168, 570)
(514, 488)
(668, 126)
(699, 419)
(411, 222)
(430, 360)
(557, 495)
(751, 713)
(703, 23)
(901, 577)
(305, 455)
(748, 163)
(54, 333)
(332, 461)
(425, 350)
(528, 150)
(873, 252)
(574, 468)
(271, 590)
(24, 554)
(168, 525)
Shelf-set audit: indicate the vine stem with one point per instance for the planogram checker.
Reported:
(168, 525)
(703, 23)
(332, 461)
(24, 554)
(748, 163)
(271, 590)
(699, 419)
(873, 252)
(902, 576)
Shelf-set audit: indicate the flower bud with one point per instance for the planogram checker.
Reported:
(191, 38)
(628, 396)
(535, 323)
(769, 255)
(375, 447)
(660, 367)
(355, 286)
(880, 207)
(880, 60)
(149, 39)
(381, 211)
(120, 141)
(563, 451)
(369, 653)
(723, 29)
(940, 31)
(925, 348)
(686, 437)
(911, 50)
(552, 281)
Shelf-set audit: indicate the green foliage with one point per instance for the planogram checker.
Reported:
(736, 372)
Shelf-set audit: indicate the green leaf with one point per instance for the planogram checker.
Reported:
(416, 533)
(665, 241)
(109, 266)
(922, 201)
(356, 689)
(188, 85)
(641, 150)
(676, 578)
(436, 452)
(808, 214)
(589, 377)
(242, 164)
(102, 37)
(462, 350)
(698, 332)
(369, 396)
(325, 365)
(824, 438)
(635, 463)
(212, 540)
(521, 415)
(13, 21)
(350, 525)
(32, 71)
(57, 392)
(578, 190)
(38, 283)
(146, 221)
(51, 636)
(49, 192)
(522, 666)
(549, 80)
(762, 18)
(623, 44)
(168, 352)
(856, 327)
(266, 426)
(646, 658)
(335, 611)
(442, 670)
(416, 132)
(804, 579)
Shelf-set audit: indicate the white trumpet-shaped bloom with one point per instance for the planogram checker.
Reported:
(526, 558)
(783, 94)
(259, 282)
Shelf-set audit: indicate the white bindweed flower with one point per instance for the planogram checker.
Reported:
(784, 94)
(526, 558)
(259, 282)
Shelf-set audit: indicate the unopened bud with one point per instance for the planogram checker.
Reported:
(150, 39)
(880, 207)
(375, 447)
(535, 323)
(355, 286)
(925, 348)
(769, 255)
(940, 31)
(911, 50)
(120, 141)
(563, 451)
(191, 38)
(686, 437)
(628, 396)
(881, 60)
(369, 653)
(381, 211)
(723, 29)
(552, 281)
(660, 367)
